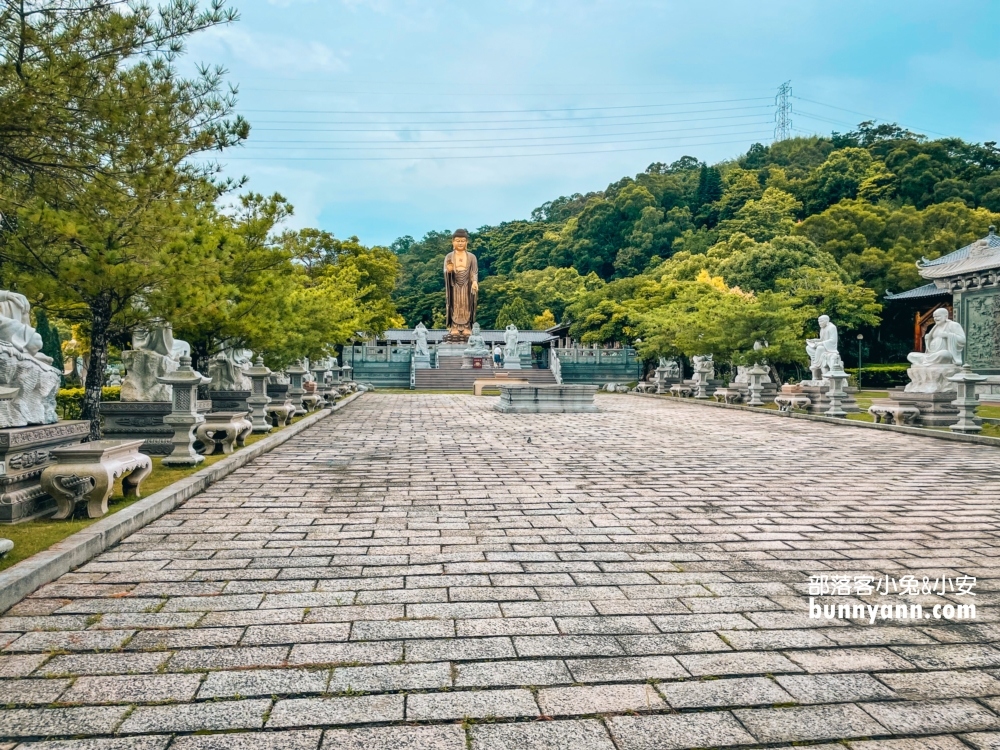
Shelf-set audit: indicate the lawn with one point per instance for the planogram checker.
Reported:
(35, 536)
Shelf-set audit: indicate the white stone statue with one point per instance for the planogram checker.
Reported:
(154, 353)
(703, 366)
(671, 367)
(422, 349)
(228, 370)
(24, 367)
(477, 344)
(941, 358)
(820, 349)
(113, 378)
(510, 341)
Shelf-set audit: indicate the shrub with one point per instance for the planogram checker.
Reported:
(70, 400)
(881, 376)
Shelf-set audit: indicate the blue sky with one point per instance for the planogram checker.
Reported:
(380, 118)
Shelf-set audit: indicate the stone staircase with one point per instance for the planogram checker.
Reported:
(450, 376)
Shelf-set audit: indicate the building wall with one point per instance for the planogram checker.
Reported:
(979, 313)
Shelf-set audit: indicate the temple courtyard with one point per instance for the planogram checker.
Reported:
(420, 571)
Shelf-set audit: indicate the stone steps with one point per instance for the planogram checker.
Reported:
(450, 376)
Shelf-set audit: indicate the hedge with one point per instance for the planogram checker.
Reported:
(70, 400)
(881, 376)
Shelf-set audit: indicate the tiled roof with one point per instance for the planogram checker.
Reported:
(927, 290)
(992, 240)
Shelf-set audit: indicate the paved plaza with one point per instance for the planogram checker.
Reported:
(421, 572)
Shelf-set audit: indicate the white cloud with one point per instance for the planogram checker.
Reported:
(269, 52)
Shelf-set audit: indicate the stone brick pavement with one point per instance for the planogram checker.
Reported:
(422, 572)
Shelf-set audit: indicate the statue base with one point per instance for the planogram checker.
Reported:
(469, 356)
(420, 362)
(230, 400)
(818, 391)
(710, 387)
(24, 452)
(931, 378)
(936, 409)
(512, 363)
(455, 338)
(143, 420)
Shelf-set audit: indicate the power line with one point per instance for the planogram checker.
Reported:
(453, 129)
(783, 112)
(533, 120)
(397, 142)
(873, 117)
(499, 111)
(416, 157)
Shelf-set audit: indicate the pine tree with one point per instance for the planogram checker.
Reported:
(709, 186)
(51, 343)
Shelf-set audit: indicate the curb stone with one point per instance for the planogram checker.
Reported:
(19, 580)
(921, 431)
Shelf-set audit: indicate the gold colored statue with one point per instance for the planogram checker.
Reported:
(461, 286)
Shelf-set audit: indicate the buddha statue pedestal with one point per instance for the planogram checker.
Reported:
(24, 453)
(134, 420)
(936, 409)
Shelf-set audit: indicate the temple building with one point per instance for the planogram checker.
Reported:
(967, 281)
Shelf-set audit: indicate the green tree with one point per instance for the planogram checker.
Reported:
(106, 249)
(514, 312)
(51, 344)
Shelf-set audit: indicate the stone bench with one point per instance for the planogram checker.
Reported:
(893, 413)
(681, 391)
(480, 383)
(223, 429)
(87, 472)
(644, 387)
(280, 413)
(728, 395)
(545, 399)
(788, 401)
(312, 401)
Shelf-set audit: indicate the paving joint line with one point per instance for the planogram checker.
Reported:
(27, 576)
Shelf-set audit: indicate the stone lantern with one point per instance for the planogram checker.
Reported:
(184, 416)
(967, 401)
(838, 380)
(347, 374)
(319, 371)
(757, 374)
(295, 389)
(259, 399)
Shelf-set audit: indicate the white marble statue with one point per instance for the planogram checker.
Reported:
(941, 358)
(228, 370)
(703, 366)
(820, 349)
(477, 344)
(23, 366)
(113, 376)
(510, 342)
(154, 353)
(422, 349)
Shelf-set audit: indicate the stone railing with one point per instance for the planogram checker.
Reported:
(368, 353)
(577, 355)
(555, 365)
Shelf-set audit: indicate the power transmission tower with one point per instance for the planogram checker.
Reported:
(783, 112)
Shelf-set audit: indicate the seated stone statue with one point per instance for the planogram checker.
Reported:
(941, 358)
(154, 353)
(703, 366)
(821, 349)
(477, 344)
(23, 366)
(228, 370)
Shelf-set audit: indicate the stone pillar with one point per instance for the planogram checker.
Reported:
(836, 394)
(757, 374)
(295, 389)
(259, 399)
(967, 401)
(348, 373)
(184, 416)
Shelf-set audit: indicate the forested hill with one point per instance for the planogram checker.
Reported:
(785, 232)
